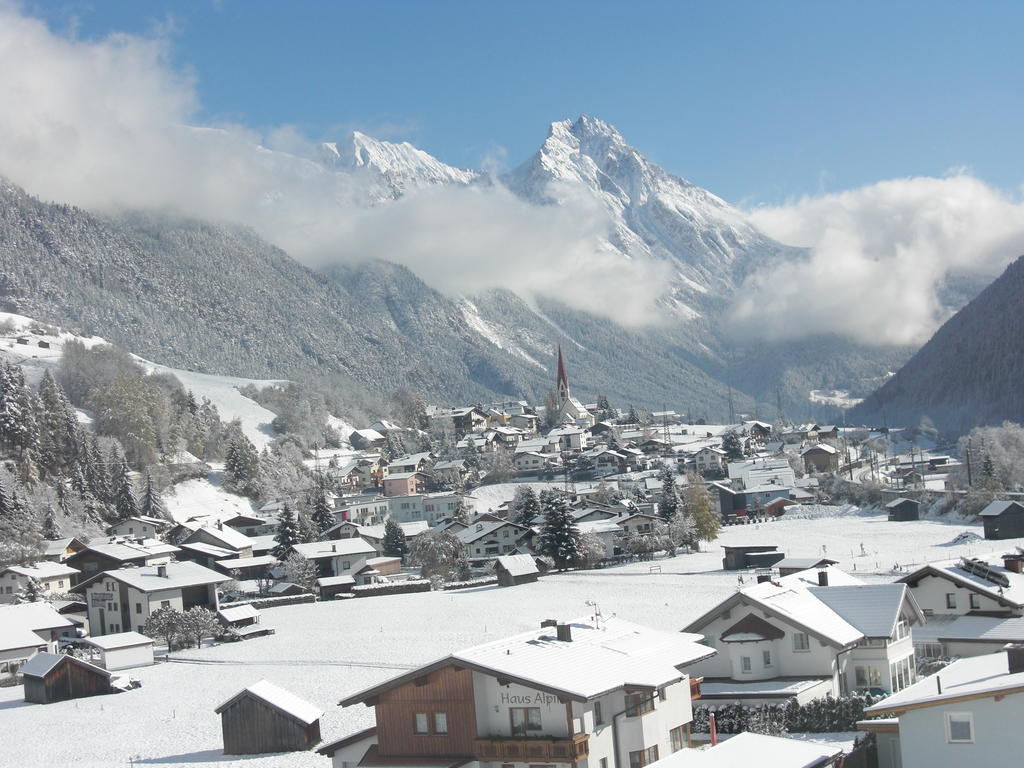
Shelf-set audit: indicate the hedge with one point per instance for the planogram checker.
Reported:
(399, 588)
(827, 715)
(484, 581)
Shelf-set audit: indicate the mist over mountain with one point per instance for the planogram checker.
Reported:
(969, 373)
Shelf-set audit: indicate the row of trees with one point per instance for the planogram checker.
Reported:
(188, 627)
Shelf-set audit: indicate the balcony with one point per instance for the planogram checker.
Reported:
(522, 749)
(695, 687)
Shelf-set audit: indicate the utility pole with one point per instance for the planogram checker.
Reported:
(970, 478)
(732, 407)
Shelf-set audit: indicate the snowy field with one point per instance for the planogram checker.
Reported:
(325, 651)
(205, 496)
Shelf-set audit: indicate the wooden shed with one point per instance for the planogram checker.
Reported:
(516, 569)
(52, 677)
(903, 510)
(1003, 520)
(738, 558)
(264, 718)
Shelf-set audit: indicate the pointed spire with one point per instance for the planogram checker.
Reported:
(563, 378)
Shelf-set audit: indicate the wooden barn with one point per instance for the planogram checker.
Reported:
(52, 677)
(1003, 520)
(264, 718)
(739, 558)
(903, 510)
(516, 569)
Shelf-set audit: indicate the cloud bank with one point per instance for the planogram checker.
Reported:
(879, 258)
(110, 124)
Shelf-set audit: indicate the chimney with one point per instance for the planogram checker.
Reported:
(823, 577)
(1013, 562)
(161, 571)
(220, 525)
(1015, 657)
(763, 577)
(564, 633)
(334, 547)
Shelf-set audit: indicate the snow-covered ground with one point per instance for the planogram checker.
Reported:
(324, 651)
(205, 497)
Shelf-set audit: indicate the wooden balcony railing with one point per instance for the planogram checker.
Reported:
(522, 749)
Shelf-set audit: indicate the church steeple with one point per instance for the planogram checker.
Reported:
(563, 378)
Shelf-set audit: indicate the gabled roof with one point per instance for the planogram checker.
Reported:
(614, 655)
(35, 617)
(119, 640)
(997, 508)
(518, 565)
(231, 613)
(148, 578)
(802, 563)
(41, 664)
(57, 547)
(873, 609)
(751, 628)
(317, 550)
(45, 569)
(970, 678)
(125, 550)
(484, 529)
(17, 638)
(896, 502)
(231, 538)
(750, 749)
(279, 699)
(818, 447)
(951, 570)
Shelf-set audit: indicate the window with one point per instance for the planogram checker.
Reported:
(861, 677)
(801, 643)
(950, 600)
(767, 656)
(744, 663)
(138, 607)
(975, 602)
(902, 673)
(524, 719)
(638, 704)
(643, 757)
(959, 727)
(422, 723)
(440, 722)
(165, 603)
(677, 738)
(598, 716)
(604, 762)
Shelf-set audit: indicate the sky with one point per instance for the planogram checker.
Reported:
(882, 138)
(758, 102)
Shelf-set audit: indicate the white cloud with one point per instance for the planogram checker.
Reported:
(107, 124)
(877, 258)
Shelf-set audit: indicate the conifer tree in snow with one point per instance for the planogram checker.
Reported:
(307, 529)
(559, 535)
(151, 505)
(669, 503)
(525, 506)
(732, 446)
(98, 476)
(287, 534)
(51, 528)
(323, 518)
(125, 503)
(32, 592)
(393, 544)
(242, 465)
(63, 497)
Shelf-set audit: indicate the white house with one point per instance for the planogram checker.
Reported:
(607, 531)
(139, 527)
(123, 650)
(808, 635)
(338, 557)
(53, 578)
(26, 629)
(967, 714)
(960, 587)
(596, 693)
(710, 459)
(958, 637)
(432, 507)
(488, 538)
(122, 600)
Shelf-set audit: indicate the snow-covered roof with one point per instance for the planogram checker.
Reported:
(483, 529)
(316, 550)
(247, 562)
(57, 547)
(873, 609)
(229, 536)
(451, 464)
(518, 565)
(953, 570)
(896, 502)
(17, 637)
(601, 657)
(238, 612)
(598, 526)
(127, 550)
(996, 508)
(34, 617)
(818, 447)
(119, 640)
(369, 435)
(334, 581)
(278, 698)
(45, 569)
(976, 676)
(209, 549)
(148, 578)
(802, 563)
(776, 687)
(402, 475)
(982, 628)
(753, 749)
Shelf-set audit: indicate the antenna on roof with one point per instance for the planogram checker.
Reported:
(598, 618)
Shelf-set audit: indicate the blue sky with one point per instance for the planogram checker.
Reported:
(757, 101)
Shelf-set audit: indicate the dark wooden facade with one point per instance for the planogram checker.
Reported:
(506, 579)
(903, 510)
(1008, 524)
(446, 690)
(69, 678)
(251, 726)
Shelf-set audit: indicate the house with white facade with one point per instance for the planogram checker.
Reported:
(592, 693)
(431, 507)
(969, 585)
(487, 538)
(338, 557)
(139, 527)
(808, 635)
(967, 714)
(53, 578)
(117, 552)
(710, 460)
(27, 629)
(122, 600)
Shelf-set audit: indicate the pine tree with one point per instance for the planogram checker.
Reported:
(732, 446)
(393, 544)
(151, 505)
(287, 534)
(98, 476)
(669, 503)
(307, 529)
(323, 517)
(32, 592)
(242, 465)
(125, 503)
(559, 535)
(51, 528)
(63, 497)
(525, 506)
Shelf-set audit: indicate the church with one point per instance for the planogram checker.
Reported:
(570, 410)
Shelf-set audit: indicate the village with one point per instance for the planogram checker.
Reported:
(544, 585)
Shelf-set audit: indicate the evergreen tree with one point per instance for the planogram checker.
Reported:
(323, 517)
(393, 544)
(98, 476)
(242, 465)
(559, 535)
(669, 503)
(51, 528)
(287, 533)
(151, 505)
(732, 446)
(307, 529)
(525, 506)
(63, 497)
(125, 503)
(32, 592)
